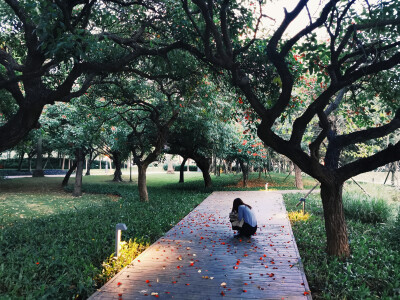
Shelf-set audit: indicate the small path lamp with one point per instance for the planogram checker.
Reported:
(118, 228)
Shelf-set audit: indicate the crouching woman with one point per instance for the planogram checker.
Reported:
(245, 214)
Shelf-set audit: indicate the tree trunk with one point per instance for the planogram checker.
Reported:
(63, 163)
(80, 158)
(130, 167)
(21, 159)
(47, 161)
(26, 119)
(142, 184)
(181, 171)
(38, 172)
(335, 224)
(245, 171)
(30, 163)
(215, 164)
(91, 160)
(116, 156)
(219, 168)
(393, 171)
(204, 165)
(68, 175)
(298, 179)
(88, 168)
(229, 167)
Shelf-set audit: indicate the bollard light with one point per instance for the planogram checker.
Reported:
(118, 228)
(266, 186)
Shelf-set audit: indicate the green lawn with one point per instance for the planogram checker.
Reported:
(55, 246)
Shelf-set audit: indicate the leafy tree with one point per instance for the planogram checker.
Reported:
(54, 50)
(115, 143)
(194, 135)
(73, 128)
(247, 149)
(362, 46)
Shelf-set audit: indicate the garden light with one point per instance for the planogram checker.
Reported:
(118, 228)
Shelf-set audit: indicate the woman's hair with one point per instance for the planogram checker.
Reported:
(237, 202)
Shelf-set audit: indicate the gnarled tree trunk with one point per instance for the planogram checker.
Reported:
(21, 123)
(68, 174)
(204, 165)
(116, 157)
(335, 224)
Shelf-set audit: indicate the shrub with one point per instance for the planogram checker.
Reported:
(396, 229)
(177, 168)
(358, 207)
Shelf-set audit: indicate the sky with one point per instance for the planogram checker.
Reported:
(275, 9)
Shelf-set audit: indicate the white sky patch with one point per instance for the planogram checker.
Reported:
(274, 9)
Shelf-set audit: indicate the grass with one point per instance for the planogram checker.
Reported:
(373, 270)
(55, 246)
(63, 251)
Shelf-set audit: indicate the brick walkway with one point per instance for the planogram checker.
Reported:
(200, 259)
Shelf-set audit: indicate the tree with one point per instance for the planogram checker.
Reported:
(362, 46)
(247, 149)
(73, 129)
(53, 50)
(148, 113)
(192, 136)
(203, 128)
(115, 142)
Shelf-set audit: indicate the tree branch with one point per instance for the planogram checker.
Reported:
(319, 22)
(369, 134)
(390, 154)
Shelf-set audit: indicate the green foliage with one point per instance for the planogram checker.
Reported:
(63, 246)
(61, 255)
(177, 168)
(373, 269)
(360, 207)
(396, 228)
(111, 266)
